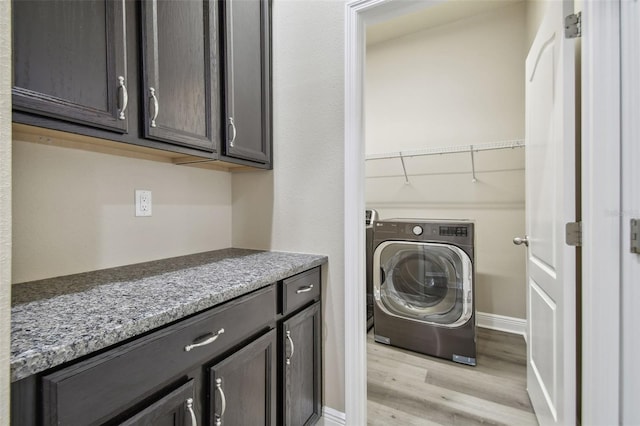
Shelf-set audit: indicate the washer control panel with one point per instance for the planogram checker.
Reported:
(457, 232)
(453, 231)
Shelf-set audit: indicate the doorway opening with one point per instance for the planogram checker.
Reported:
(444, 137)
(600, 98)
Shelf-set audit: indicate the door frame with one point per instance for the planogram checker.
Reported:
(600, 205)
(601, 212)
(5, 202)
(359, 14)
(629, 383)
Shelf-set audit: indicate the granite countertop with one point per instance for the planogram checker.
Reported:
(60, 319)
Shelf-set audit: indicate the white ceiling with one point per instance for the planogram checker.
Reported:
(440, 14)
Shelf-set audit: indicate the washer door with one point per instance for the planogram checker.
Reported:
(425, 282)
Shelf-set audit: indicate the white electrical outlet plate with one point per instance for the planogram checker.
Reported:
(143, 202)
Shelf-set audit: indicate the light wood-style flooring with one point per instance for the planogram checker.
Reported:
(407, 388)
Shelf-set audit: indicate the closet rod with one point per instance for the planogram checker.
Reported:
(516, 143)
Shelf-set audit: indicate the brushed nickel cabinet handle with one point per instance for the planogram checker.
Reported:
(194, 421)
(204, 340)
(235, 132)
(304, 289)
(223, 402)
(156, 106)
(292, 347)
(125, 98)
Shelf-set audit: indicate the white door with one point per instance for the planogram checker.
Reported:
(550, 204)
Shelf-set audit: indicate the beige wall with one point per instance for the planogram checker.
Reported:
(74, 211)
(455, 84)
(5, 206)
(299, 207)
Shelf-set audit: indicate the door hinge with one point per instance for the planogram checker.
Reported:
(573, 25)
(635, 236)
(573, 234)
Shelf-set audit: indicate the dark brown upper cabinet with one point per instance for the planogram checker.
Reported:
(247, 80)
(191, 77)
(140, 72)
(70, 61)
(180, 72)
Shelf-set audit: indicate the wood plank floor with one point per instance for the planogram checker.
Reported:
(407, 388)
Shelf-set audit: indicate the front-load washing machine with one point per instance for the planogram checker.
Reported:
(371, 216)
(423, 286)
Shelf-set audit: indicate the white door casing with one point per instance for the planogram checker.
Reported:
(359, 14)
(601, 185)
(630, 88)
(550, 204)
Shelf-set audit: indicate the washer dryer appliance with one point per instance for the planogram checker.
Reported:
(371, 217)
(423, 287)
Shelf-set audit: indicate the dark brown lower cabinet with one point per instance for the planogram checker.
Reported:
(242, 387)
(246, 362)
(302, 370)
(171, 410)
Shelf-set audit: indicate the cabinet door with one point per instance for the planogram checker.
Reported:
(180, 72)
(69, 61)
(242, 387)
(248, 80)
(174, 409)
(301, 348)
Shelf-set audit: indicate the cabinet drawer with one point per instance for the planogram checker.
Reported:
(300, 289)
(94, 390)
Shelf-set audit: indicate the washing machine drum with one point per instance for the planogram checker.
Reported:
(423, 281)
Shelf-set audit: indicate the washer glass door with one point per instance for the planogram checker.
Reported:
(423, 281)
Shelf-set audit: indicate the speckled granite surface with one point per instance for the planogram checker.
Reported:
(60, 319)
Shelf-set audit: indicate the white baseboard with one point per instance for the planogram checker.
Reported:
(333, 417)
(502, 323)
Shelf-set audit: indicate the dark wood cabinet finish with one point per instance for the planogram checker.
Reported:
(247, 47)
(130, 372)
(301, 348)
(180, 72)
(172, 409)
(268, 365)
(300, 289)
(242, 387)
(69, 60)
(25, 402)
(70, 54)
(191, 77)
